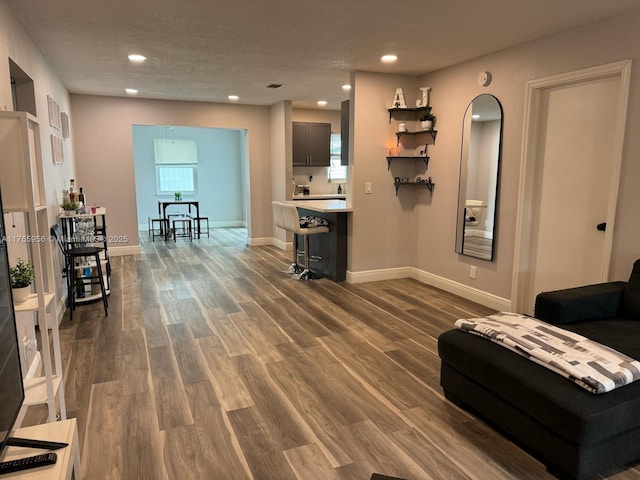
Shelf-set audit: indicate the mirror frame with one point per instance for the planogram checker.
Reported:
(463, 181)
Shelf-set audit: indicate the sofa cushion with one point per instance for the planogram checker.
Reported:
(631, 294)
(590, 302)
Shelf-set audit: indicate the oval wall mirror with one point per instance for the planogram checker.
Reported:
(479, 169)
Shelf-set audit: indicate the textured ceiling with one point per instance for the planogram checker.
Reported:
(205, 50)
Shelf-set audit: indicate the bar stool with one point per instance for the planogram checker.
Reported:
(158, 227)
(184, 222)
(287, 215)
(199, 221)
(71, 253)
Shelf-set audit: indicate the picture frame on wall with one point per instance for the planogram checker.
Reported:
(57, 152)
(54, 112)
(64, 122)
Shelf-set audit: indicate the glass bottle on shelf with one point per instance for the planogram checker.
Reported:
(81, 198)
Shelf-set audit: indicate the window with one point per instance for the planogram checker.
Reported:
(176, 165)
(337, 171)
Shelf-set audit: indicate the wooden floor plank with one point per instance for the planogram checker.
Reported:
(172, 405)
(104, 430)
(141, 439)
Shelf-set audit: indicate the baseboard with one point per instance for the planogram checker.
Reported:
(260, 242)
(282, 244)
(122, 251)
(464, 291)
(228, 224)
(376, 275)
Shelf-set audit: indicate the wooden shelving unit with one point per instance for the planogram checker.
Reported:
(411, 114)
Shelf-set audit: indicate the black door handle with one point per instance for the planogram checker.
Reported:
(601, 227)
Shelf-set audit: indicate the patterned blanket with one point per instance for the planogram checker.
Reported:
(591, 365)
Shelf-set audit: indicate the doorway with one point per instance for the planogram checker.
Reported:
(572, 152)
(215, 170)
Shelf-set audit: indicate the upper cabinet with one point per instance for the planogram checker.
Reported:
(311, 144)
(344, 133)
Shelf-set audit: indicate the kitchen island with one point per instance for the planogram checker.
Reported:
(332, 246)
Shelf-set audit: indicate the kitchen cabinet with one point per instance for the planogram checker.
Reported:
(311, 144)
(344, 133)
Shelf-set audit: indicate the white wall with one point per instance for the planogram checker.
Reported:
(220, 173)
(104, 147)
(15, 43)
(383, 233)
(281, 159)
(426, 226)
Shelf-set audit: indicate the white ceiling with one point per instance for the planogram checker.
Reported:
(205, 50)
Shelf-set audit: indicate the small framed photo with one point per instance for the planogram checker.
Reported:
(64, 122)
(57, 152)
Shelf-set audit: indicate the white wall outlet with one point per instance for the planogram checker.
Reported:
(472, 272)
(367, 187)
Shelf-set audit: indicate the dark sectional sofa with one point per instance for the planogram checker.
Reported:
(575, 433)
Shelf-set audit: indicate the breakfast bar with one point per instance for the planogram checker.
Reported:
(332, 246)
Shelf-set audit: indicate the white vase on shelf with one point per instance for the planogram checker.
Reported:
(21, 294)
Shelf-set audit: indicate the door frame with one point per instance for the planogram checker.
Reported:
(527, 215)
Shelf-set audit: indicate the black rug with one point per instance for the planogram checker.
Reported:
(377, 476)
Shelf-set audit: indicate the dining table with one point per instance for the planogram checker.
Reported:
(162, 210)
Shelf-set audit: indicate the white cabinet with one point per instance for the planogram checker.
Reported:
(23, 195)
(68, 465)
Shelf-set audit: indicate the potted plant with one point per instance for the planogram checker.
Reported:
(427, 119)
(69, 207)
(177, 196)
(21, 276)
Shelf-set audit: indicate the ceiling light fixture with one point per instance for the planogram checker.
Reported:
(131, 91)
(233, 98)
(322, 103)
(137, 58)
(346, 87)
(390, 58)
(475, 116)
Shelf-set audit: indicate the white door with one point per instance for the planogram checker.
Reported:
(573, 173)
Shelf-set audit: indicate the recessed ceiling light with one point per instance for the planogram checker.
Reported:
(137, 58)
(233, 98)
(346, 87)
(475, 116)
(322, 103)
(131, 91)
(389, 58)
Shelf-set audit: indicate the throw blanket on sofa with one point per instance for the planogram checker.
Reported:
(591, 365)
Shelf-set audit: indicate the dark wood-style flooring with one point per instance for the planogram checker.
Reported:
(213, 364)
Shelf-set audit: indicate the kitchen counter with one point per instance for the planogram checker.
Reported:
(332, 246)
(320, 196)
(323, 206)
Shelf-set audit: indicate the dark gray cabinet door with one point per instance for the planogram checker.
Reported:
(311, 144)
(344, 133)
(300, 150)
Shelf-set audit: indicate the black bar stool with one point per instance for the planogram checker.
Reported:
(182, 227)
(158, 228)
(71, 254)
